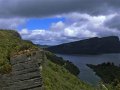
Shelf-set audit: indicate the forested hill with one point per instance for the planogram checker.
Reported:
(94, 45)
(109, 73)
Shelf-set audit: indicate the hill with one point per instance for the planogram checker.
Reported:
(56, 76)
(94, 45)
(17, 56)
(42, 46)
(10, 43)
(109, 73)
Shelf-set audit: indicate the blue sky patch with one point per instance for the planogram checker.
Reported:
(41, 23)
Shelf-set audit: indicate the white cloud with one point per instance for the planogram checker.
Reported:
(24, 32)
(58, 26)
(75, 27)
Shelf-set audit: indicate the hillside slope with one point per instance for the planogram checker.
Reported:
(110, 74)
(94, 45)
(11, 43)
(55, 77)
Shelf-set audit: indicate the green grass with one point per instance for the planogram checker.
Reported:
(65, 63)
(56, 77)
(54, 74)
(10, 43)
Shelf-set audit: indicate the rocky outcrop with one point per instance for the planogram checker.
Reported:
(94, 45)
(26, 73)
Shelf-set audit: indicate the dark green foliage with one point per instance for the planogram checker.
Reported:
(109, 73)
(72, 68)
(90, 46)
(56, 77)
(66, 64)
(55, 59)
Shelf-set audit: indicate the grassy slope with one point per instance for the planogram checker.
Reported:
(56, 77)
(10, 42)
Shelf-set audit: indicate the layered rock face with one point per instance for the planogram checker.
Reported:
(26, 73)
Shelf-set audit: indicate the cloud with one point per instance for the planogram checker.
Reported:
(114, 22)
(76, 26)
(43, 8)
(11, 23)
(58, 26)
(83, 18)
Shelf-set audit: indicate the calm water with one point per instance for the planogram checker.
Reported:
(87, 74)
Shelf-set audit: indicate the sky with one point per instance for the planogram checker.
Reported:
(52, 22)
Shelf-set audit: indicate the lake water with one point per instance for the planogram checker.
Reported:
(87, 74)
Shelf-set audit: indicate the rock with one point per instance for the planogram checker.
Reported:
(25, 75)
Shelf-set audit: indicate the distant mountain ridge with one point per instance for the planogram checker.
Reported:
(110, 44)
(42, 46)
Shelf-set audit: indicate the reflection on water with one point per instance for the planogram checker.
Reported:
(87, 74)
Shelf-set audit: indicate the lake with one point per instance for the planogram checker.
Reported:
(87, 74)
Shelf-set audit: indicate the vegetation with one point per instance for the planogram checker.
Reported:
(109, 73)
(10, 43)
(91, 46)
(56, 77)
(66, 64)
(57, 74)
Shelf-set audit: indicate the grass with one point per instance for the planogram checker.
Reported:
(65, 63)
(56, 77)
(10, 43)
